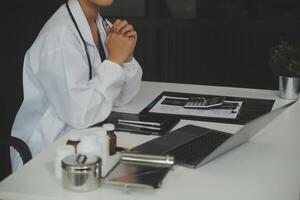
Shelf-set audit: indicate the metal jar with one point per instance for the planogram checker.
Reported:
(81, 173)
(289, 87)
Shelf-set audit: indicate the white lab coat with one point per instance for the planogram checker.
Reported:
(58, 94)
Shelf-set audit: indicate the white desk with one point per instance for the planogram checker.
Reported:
(265, 168)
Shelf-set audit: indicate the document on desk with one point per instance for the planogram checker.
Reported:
(174, 105)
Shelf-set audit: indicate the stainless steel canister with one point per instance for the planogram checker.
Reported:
(81, 172)
(289, 87)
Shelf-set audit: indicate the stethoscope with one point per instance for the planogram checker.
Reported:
(104, 23)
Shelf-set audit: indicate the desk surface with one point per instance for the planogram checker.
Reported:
(265, 168)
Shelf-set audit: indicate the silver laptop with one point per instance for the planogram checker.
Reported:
(193, 146)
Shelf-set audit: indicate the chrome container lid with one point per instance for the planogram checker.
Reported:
(81, 162)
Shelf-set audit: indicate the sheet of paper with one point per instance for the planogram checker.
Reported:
(166, 106)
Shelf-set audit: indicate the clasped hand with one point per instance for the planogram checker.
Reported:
(120, 41)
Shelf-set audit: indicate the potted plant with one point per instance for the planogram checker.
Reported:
(285, 63)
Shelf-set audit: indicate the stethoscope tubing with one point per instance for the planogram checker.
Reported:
(84, 43)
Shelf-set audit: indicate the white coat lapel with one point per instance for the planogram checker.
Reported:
(81, 21)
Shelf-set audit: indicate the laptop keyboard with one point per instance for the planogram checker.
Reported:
(193, 152)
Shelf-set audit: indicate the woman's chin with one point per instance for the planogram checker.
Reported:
(105, 3)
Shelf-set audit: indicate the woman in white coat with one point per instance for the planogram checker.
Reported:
(76, 71)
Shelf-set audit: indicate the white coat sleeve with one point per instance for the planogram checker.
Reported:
(133, 74)
(63, 74)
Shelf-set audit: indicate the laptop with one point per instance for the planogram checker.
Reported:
(193, 146)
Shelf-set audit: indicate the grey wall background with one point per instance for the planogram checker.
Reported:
(214, 42)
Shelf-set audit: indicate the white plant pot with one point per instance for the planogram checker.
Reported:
(289, 87)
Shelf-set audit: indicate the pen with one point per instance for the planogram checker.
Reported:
(142, 132)
(139, 126)
(106, 24)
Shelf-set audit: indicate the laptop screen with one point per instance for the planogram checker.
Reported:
(245, 133)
